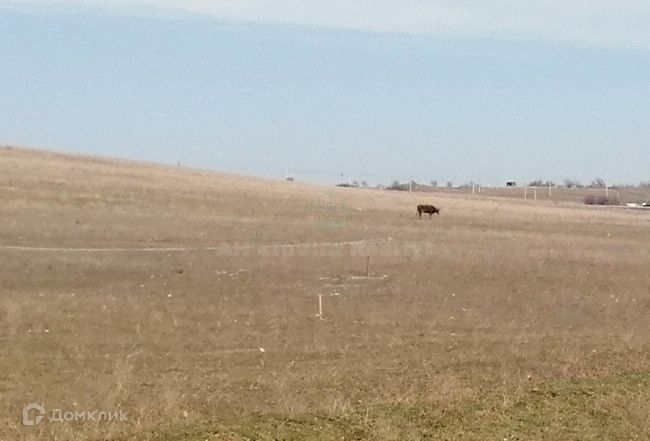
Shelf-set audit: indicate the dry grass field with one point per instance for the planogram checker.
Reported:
(189, 300)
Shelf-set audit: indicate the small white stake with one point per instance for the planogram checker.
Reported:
(320, 306)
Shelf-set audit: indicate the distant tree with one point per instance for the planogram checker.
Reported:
(395, 185)
(450, 184)
(355, 184)
(364, 184)
(572, 183)
(434, 183)
(645, 184)
(541, 183)
(598, 183)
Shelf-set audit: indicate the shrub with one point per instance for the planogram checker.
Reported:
(600, 200)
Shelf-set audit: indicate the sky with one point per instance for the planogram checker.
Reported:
(335, 91)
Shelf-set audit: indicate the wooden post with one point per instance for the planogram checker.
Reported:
(550, 190)
(367, 267)
(525, 193)
(535, 193)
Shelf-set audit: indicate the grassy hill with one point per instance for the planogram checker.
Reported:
(189, 300)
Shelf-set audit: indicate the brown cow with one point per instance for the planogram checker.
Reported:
(427, 209)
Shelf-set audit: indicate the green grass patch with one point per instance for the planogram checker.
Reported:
(605, 409)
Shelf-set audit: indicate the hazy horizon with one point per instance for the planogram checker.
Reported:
(448, 93)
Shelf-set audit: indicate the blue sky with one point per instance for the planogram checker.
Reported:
(478, 91)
